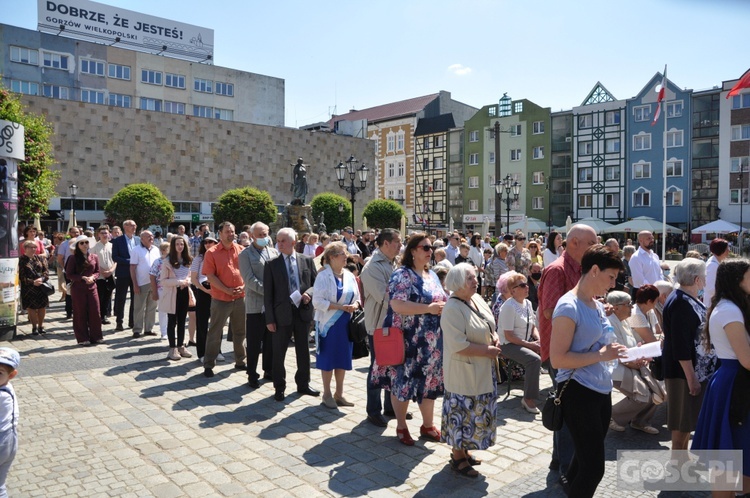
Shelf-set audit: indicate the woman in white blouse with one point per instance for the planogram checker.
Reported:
(644, 322)
(554, 248)
(312, 245)
(520, 337)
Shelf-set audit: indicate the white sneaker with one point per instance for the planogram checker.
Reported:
(173, 354)
(182, 350)
(220, 357)
(614, 426)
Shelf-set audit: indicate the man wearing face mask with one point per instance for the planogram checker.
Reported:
(534, 277)
(252, 262)
(645, 267)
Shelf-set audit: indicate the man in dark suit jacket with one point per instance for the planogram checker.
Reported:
(121, 247)
(283, 318)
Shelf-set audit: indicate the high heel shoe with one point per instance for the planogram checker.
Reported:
(404, 437)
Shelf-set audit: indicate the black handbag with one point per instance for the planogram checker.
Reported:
(360, 350)
(657, 368)
(47, 288)
(552, 417)
(357, 328)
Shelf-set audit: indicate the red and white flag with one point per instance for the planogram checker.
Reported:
(743, 83)
(660, 98)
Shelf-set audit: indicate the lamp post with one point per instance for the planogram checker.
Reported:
(549, 206)
(496, 130)
(73, 191)
(354, 172)
(619, 215)
(510, 187)
(741, 177)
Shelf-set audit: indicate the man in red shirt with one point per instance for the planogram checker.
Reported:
(222, 268)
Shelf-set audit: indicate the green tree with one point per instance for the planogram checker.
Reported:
(245, 206)
(36, 181)
(383, 213)
(142, 203)
(329, 203)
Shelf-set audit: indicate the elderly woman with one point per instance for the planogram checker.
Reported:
(582, 344)
(665, 289)
(503, 293)
(32, 273)
(520, 338)
(644, 322)
(336, 296)
(685, 362)
(470, 350)
(536, 256)
(82, 269)
(416, 302)
(642, 392)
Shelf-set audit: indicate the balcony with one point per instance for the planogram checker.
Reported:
(562, 172)
(565, 145)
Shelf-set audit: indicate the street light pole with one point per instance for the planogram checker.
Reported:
(73, 190)
(354, 172)
(513, 188)
(742, 187)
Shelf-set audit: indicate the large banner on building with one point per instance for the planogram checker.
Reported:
(96, 22)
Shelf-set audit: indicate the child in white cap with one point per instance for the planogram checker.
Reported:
(9, 361)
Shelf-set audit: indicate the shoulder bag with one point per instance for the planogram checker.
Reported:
(390, 349)
(357, 329)
(552, 417)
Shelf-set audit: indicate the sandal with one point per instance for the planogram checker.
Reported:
(430, 433)
(466, 470)
(404, 437)
(473, 461)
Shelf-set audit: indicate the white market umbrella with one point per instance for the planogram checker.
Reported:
(597, 224)
(529, 225)
(403, 226)
(640, 224)
(450, 225)
(485, 226)
(568, 224)
(37, 223)
(718, 226)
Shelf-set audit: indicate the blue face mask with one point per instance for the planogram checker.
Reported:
(666, 273)
(262, 242)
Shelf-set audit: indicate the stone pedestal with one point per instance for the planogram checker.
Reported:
(296, 220)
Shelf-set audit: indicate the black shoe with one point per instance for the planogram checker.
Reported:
(34, 330)
(309, 391)
(105, 321)
(149, 333)
(68, 316)
(191, 343)
(554, 465)
(267, 376)
(391, 414)
(279, 395)
(208, 372)
(42, 331)
(119, 328)
(377, 420)
(253, 383)
(240, 366)
(136, 334)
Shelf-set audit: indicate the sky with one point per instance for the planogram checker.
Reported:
(340, 55)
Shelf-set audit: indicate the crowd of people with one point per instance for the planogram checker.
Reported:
(570, 307)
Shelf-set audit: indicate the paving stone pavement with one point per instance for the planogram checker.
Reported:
(120, 420)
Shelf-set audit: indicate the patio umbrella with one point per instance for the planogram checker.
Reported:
(450, 225)
(718, 226)
(72, 221)
(640, 224)
(597, 224)
(403, 225)
(37, 223)
(485, 226)
(568, 224)
(529, 225)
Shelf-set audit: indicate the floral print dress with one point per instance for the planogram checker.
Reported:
(421, 375)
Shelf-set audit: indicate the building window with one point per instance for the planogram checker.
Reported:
(537, 203)
(473, 182)
(674, 167)
(585, 201)
(741, 132)
(474, 136)
(391, 170)
(201, 85)
(612, 145)
(586, 174)
(24, 55)
(537, 178)
(515, 154)
(674, 196)
(401, 170)
(92, 96)
(491, 158)
(438, 140)
(224, 114)
(586, 121)
(641, 198)
(391, 141)
(89, 66)
(674, 138)
(174, 107)
(148, 104)
(515, 130)
(491, 204)
(538, 152)
(226, 89)
(437, 163)
(641, 170)
(473, 205)
(585, 148)
(174, 80)
(642, 141)
(400, 142)
(674, 109)
(400, 194)
(492, 111)
(426, 142)
(426, 163)
(25, 87)
(612, 173)
(202, 111)
(118, 72)
(538, 127)
(56, 92)
(642, 113)
(741, 101)
(437, 185)
(611, 200)
(389, 195)
(734, 196)
(151, 77)
(55, 61)
(740, 163)
(518, 107)
(474, 159)
(117, 100)
(612, 118)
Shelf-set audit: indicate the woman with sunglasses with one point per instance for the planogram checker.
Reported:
(82, 269)
(416, 303)
(519, 337)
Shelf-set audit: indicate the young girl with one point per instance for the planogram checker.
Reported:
(176, 295)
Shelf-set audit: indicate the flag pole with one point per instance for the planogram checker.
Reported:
(664, 171)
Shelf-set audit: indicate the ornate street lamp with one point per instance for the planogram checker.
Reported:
(354, 173)
(512, 190)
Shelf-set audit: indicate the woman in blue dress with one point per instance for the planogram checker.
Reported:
(416, 302)
(335, 298)
(724, 420)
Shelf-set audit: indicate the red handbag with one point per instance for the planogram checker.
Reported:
(390, 349)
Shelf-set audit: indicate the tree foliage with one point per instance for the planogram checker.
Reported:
(36, 181)
(328, 203)
(383, 213)
(245, 206)
(142, 203)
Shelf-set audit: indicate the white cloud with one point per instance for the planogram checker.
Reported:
(459, 69)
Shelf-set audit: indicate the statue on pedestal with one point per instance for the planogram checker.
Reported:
(299, 183)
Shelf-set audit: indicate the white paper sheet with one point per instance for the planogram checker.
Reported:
(650, 350)
(296, 298)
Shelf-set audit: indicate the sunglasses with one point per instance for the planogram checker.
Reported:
(523, 285)
(426, 248)
(83, 242)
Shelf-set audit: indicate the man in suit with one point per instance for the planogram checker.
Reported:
(252, 262)
(122, 246)
(283, 276)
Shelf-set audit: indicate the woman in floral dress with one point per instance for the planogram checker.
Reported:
(416, 302)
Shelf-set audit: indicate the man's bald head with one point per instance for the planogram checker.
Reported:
(646, 240)
(580, 238)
